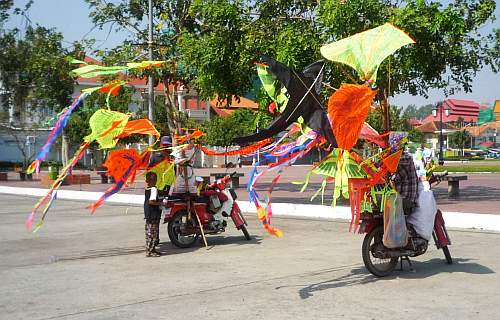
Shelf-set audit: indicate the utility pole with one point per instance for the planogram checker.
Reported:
(151, 96)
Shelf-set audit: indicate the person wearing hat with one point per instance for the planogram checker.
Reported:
(405, 178)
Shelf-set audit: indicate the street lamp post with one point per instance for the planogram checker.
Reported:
(439, 108)
(150, 78)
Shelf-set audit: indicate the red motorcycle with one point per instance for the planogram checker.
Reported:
(380, 260)
(191, 215)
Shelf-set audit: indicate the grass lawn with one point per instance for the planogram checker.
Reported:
(471, 166)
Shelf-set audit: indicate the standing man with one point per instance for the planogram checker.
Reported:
(156, 159)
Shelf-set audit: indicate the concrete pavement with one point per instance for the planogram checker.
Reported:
(479, 194)
(80, 266)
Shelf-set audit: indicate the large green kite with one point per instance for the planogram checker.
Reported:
(366, 50)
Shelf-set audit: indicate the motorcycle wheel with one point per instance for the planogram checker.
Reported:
(447, 255)
(174, 231)
(378, 267)
(245, 232)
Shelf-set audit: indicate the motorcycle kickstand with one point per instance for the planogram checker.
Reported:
(409, 263)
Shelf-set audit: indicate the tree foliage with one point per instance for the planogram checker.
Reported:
(221, 131)
(211, 44)
(460, 139)
(34, 70)
(399, 121)
(419, 113)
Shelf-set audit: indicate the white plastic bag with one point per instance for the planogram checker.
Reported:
(395, 232)
(422, 219)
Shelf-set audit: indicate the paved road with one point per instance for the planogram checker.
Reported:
(93, 267)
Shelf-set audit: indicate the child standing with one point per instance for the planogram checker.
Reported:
(152, 214)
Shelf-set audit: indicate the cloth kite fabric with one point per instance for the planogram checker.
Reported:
(140, 126)
(165, 173)
(106, 125)
(366, 50)
(281, 156)
(51, 194)
(371, 135)
(273, 87)
(242, 151)
(348, 108)
(93, 70)
(122, 165)
(485, 116)
(303, 89)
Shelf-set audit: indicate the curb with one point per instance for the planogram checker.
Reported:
(462, 220)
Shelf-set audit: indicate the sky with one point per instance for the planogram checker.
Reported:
(71, 18)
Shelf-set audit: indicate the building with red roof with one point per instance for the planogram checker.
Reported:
(187, 99)
(457, 108)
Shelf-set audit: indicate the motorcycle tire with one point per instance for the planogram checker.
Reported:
(174, 232)
(447, 255)
(243, 228)
(378, 270)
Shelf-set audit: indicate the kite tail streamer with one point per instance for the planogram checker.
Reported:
(242, 151)
(284, 155)
(53, 189)
(128, 175)
(59, 126)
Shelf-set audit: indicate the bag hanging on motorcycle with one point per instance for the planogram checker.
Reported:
(395, 232)
(214, 203)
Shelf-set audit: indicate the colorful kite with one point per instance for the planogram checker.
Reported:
(122, 165)
(348, 108)
(303, 90)
(366, 50)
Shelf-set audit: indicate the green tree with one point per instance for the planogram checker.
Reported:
(460, 139)
(34, 71)
(212, 43)
(221, 131)
(399, 120)
(415, 136)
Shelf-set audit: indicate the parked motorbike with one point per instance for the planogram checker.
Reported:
(380, 260)
(189, 211)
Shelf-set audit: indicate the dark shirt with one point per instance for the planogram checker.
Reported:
(156, 158)
(406, 180)
(152, 213)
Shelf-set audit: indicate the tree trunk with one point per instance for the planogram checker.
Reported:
(173, 120)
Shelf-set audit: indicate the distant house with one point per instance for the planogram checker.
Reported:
(431, 131)
(464, 109)
(414, 122)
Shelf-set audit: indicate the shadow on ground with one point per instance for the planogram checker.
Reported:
(167, 248)
(360, 275)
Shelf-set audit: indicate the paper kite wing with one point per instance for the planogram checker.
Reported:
(302, 102)
(366, 50)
